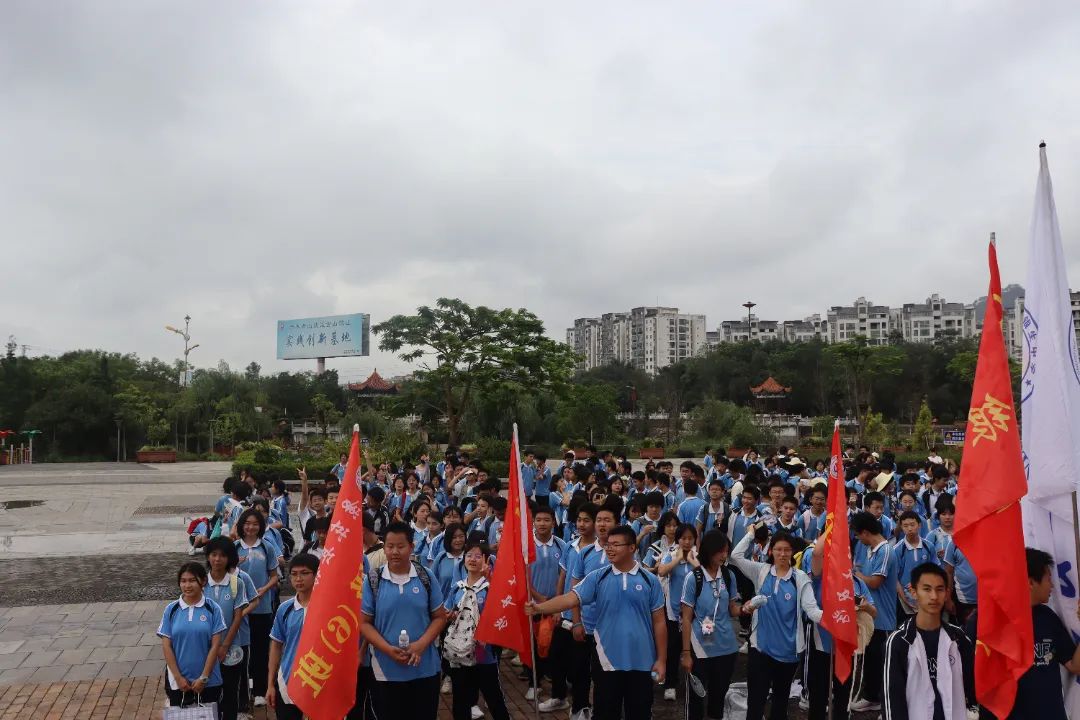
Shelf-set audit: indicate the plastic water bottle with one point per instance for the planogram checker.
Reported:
(757, 601)
(403, 639)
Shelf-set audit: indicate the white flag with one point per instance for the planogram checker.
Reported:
(1050, 409)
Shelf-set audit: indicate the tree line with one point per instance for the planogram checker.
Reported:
(477, 371)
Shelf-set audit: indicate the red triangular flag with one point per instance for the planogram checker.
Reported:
(989, 527)
(323, 679)
(837, 586)
(503, 621)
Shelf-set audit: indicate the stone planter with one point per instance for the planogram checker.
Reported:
(156, 456)
(651, 453)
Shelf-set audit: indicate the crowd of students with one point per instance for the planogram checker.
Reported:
(660, 576)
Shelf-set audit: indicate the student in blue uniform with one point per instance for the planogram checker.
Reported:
(812, 520)
(748, 514)
(259, 559)
(910, 552)
(965, 587)
(228, 587)
(569, 656)
(279, 503)
(191, 629)
(447, 565)
(818, 668)
(680, 560)
(709, 600)
(714, 514)
(630, 631)
(546, 573)
(469, 681)
(777, 634)
(285, 636)
(877, 568)
(400, 607)
(690, 508)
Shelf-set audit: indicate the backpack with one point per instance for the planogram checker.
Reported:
(459, 643)
(195, 523)
(703, 517)
(375, 577)
(699, 580)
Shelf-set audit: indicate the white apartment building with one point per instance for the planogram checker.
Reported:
(933, 320)
(649, 338)
(805, 330)
(874, 322)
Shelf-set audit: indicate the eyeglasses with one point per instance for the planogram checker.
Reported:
(611, 545)
(301, 573)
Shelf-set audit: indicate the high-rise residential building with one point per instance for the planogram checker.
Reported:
(649, 338)
(933, 320)
(805, 330)
(874, 322)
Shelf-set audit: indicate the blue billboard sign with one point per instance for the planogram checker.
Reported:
(953, 437)
(323, 337)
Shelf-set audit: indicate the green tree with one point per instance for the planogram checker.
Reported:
(726, 422)
(874, 433)
(326, 414)
(466, 351)
(865, 365)
(587, 411)
(923, 435)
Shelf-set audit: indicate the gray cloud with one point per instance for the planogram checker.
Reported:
(244, 163)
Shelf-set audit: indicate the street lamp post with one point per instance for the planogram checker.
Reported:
(186, 334)
(749, 305)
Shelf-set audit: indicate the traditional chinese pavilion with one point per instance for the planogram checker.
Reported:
(770, 396)
(374, 387)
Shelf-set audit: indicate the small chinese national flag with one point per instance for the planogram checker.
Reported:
(837, 586)
(989, 528)
(503, 621)
(323, 680)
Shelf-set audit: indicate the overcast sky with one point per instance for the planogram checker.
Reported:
(252, 161)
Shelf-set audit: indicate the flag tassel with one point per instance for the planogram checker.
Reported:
(532, 644)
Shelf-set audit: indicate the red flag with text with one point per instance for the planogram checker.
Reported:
(323, 680)
(503, 621)
(989, 527)
(837, 585)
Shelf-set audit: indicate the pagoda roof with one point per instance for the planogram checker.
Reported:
(770, 388)
(374, 384)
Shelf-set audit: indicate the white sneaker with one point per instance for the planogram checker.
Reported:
(554, 704)
(260, 701)
(530, 694)
(865, 706)
(516, 660)
(804, 703)
(745, 649)
(191, 550)
(582, 714)
(669, 694)
(445, 689)
(477, 713)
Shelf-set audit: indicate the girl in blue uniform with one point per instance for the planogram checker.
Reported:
(191, 629)
(679, 561)
(709, 643)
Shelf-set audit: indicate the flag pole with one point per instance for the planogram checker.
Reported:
(1076, 528)
(528, 582)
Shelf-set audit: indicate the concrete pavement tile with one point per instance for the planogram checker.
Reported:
(10, 646)
(38, 643)
(123, 606)
(87, 671)
(65, 643)
(124, 639)
(12, 660)
(105, 654)
(129, 626)
(50, 674)
(149, 638)
(73, 608)
(71, 631)
(41, 658)
(148, 668)
(116, 670)
(139, 652)
(75, 657)
(96, 640)
(15, 633)
(16, 676)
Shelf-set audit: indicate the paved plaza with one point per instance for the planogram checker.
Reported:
(88, 558)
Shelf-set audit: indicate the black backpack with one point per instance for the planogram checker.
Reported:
(699, 580)
(704, 514)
